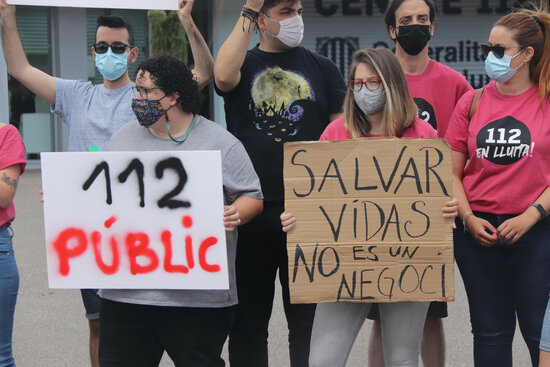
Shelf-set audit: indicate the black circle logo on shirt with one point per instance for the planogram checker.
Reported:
(504, 141)
(426, 112)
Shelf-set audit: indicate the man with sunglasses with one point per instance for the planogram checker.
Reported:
(276, 92)
(435, 89)
(93, 113)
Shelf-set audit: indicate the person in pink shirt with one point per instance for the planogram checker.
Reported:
(501, 172)
(12, 165)
(435, 88)
(377, 104)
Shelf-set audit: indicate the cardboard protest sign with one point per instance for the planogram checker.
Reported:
(111, 4)
(141, 220)
(369, 226)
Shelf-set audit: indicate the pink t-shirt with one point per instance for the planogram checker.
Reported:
(12, 151)
(507, 143)
(436, 92)
(337, 131)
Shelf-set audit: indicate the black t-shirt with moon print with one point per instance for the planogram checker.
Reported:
(281, 97)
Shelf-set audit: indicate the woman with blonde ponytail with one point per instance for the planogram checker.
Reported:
(501, 173)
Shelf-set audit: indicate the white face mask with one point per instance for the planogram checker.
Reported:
(291, 30)
(370, 102)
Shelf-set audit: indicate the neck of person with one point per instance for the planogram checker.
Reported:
(376, 123)
(117, 83)
(272, 44)
(179, 123)
(518, 83)
(412, 64)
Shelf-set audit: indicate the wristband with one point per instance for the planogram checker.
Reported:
(250, 14)
(465, 218)
(541, 210)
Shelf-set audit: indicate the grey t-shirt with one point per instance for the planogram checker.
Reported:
(92, 113)
(239, 178)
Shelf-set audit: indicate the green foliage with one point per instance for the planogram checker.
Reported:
(167, 34)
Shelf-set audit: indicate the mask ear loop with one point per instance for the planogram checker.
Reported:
(191, 125)
(268, 32)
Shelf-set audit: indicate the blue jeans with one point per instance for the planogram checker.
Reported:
(501, 282)
(337, 324)
(9, 285)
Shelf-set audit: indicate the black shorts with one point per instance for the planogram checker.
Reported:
(437, 310)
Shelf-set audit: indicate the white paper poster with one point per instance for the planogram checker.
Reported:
(140, 220)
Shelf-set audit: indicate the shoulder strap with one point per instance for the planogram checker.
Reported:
(475, 101)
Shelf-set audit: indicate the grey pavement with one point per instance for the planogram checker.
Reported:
(51, 330)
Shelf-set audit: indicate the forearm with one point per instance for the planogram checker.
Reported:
(230, 58)
(14, 54)
(18, 65)
(248, 208)
(544, 201)
(204, 63)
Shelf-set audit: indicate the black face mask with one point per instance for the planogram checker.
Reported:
(413, 38)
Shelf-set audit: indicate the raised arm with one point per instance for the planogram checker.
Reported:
(204, 63)
(40, 83)
(230, 58)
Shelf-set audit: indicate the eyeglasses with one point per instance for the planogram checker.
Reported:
(143, 92)
(371, 84)
(497, 50)
(116, 47)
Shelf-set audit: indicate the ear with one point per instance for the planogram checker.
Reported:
(134, 54)
(393, 32)
(432, 29)
(173, 98)
(93, 52)
(261, 22)
(528, 52)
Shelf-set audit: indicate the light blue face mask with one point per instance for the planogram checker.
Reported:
(499, 69)
(111, 65)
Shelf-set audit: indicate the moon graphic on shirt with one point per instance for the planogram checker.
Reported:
(277, 87)
(275, 97)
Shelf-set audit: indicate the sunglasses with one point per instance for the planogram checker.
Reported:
(498, 51)
(116, 47)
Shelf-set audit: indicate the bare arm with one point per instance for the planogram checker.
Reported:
(242, 211)
(514, 228)
(230, 58)
(35, 79)
(8, 184)
(204, 63)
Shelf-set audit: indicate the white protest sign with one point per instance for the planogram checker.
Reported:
(111, 4)
(145, 220)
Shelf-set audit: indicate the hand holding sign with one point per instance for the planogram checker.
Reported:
(288, 221)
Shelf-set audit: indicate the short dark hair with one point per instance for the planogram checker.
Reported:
(268, 4)
(172, 75)
(113, 21)
(389, 16)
